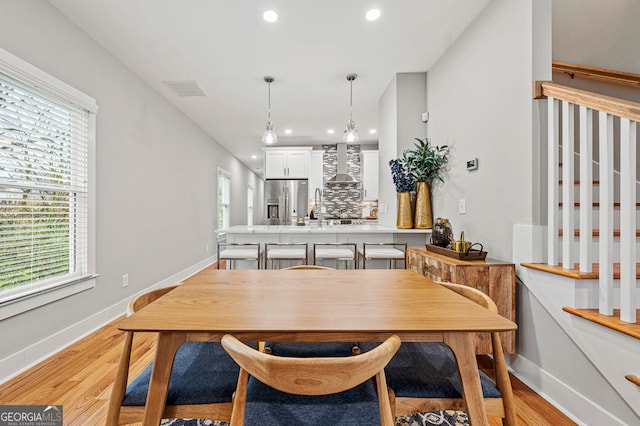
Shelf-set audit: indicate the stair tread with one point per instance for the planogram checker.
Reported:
(596, 204)
(596, 233)
(613, 322)
(577, 182)
(575, 272)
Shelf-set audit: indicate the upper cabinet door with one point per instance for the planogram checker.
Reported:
(315, 171)
(275, 164)
(286, 163)
(369, 175)
(298, 164)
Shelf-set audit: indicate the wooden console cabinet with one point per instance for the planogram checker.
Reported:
(493, 278)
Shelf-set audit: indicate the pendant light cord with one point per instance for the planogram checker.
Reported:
(350, 100)
(269, 102)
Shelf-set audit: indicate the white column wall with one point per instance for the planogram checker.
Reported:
(479, 102)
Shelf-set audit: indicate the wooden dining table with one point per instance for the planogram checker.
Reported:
(314, 305)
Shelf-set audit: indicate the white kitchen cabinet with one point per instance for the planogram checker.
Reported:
(286, 163)
(315, 171)
(369, 164)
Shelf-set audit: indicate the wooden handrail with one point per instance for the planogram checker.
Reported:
(597, 73)
(633, 379)
(608, 104)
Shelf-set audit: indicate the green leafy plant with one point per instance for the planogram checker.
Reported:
(427, 161)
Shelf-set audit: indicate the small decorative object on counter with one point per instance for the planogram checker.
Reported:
(404, 220)
(442, 233)
(307, 220)
(294, 218)
(461, 246)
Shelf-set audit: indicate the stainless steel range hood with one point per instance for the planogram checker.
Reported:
(341, 175)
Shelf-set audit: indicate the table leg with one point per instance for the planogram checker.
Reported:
(168, 344)
(462, 346)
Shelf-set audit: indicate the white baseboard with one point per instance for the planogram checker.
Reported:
(24, 359)
(563, 397)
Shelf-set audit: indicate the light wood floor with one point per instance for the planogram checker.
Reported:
(80, 379)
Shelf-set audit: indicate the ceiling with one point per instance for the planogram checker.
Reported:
(227, 49)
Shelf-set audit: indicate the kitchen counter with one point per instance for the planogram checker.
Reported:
(325, 229)
(352, 233)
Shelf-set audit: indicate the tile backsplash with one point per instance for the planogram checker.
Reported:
(342, 199)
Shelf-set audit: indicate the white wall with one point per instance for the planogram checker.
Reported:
(400, 121)
(479, 102)
(156, 176)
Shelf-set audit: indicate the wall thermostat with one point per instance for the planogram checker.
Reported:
(472, 164)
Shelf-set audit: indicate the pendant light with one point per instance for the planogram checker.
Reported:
(350, 134)
(269, 137)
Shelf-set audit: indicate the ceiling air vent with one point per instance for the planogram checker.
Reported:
(185, 88)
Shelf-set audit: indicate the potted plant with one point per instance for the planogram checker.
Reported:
(404, 183)
(426, 165)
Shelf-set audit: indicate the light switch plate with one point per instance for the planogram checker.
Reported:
(462, 206)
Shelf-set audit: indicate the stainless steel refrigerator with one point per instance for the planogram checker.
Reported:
(282, 197)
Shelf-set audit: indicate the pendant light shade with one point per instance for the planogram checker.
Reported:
(351, 133)
(269, 136)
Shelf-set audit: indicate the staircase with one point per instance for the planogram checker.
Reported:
(592, 237)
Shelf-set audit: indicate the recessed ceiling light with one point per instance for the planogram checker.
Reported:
(331, 131)
(254, 157)
(287, 131)
(372, 14)
(372, 131)
(270, 16)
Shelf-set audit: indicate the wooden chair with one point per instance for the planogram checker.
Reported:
(311, 349)
(312, 391)
(202, 382)
(309, 267)
(424, 376)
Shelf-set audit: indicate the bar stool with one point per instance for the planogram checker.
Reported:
(346, 252)
(285, 251)
(239, 251)
(384, 251)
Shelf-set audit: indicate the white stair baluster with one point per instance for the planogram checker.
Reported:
(605, 256)
(586, 188)
(627, 220)
(553, 209)
(567, 187)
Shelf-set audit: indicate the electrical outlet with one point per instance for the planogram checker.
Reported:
(462, 206)
(125, 280)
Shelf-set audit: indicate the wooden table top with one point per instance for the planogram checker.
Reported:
(367, 303)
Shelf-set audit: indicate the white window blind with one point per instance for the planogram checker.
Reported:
(224, 198)
(43, 190)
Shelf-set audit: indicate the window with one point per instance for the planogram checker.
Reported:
(249, 205)
(44, 186)
(224, 198)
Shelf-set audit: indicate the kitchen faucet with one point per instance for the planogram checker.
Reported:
(318, 202)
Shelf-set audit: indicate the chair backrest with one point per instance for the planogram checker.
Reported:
(472, 294)
(144, 299)
(311, 376)
(308, 267)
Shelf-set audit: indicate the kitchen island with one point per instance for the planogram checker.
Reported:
(351, 233)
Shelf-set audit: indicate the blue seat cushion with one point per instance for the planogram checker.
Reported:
(428, 370)
(202, 373)
(267, 406)
(311, 349)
